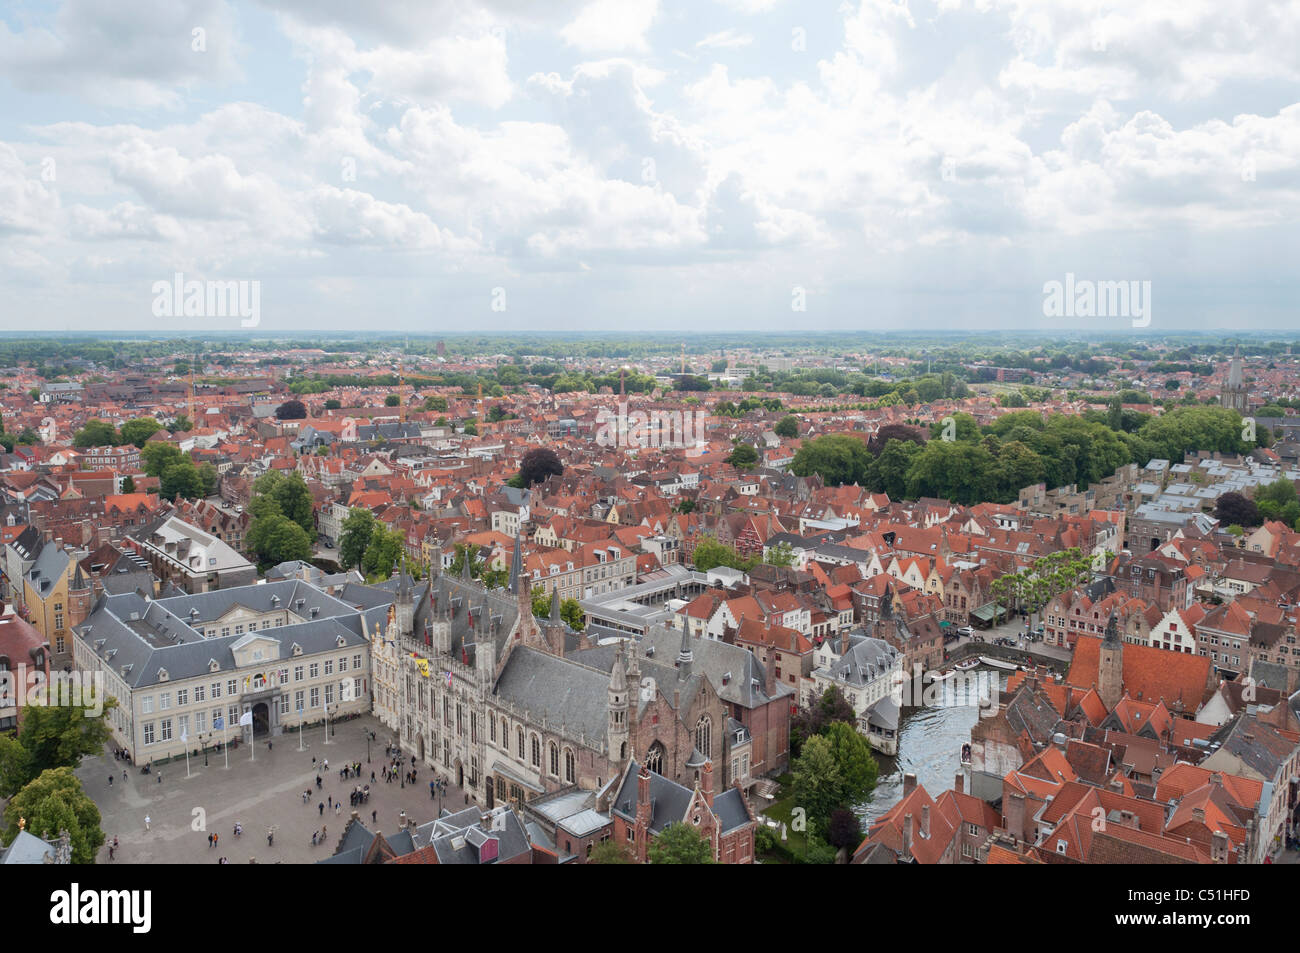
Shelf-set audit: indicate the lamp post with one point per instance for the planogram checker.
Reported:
(366, 732)
(203, 743)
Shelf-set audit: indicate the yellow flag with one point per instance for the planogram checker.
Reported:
(423, 666)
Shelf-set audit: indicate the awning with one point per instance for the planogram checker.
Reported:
(986, 613)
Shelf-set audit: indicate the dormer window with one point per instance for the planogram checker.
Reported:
(162, 675)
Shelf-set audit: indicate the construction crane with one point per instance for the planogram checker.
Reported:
(683, 357)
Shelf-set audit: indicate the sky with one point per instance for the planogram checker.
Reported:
(443, 166)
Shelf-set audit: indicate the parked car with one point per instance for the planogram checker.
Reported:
(966, 630)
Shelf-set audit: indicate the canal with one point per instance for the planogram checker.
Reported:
(929, 746)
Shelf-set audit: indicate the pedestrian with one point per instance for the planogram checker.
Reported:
(110, 851)
(123, 775)
(160, 777)
(374, 817)
(110, 780)
(338, 807)
(431, 788)
(270, 838)
(209, 842)
(372, 777)
(321, 806)
(330, 800)
(323, 829)
(115, 842)
(268, 746)
(214, 840)
(146, 822)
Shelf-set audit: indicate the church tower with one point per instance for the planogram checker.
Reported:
(1234, 395)
(405, 603)
(1110, 666)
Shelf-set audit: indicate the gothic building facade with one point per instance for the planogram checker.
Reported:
(511, 707)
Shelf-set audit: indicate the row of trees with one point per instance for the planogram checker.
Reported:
(968, 464)
(1031, 589)
(100, 433)
(710, 554)
(284, 524)
(177, 475)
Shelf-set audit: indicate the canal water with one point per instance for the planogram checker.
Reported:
(929, 746)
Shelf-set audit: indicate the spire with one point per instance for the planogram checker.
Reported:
(516, 565)
(685, 656)
(556, 618)
(1112, 631)
(404, 582)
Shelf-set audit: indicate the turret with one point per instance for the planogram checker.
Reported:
(619, 697)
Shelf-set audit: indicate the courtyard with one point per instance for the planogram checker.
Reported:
(260, 789)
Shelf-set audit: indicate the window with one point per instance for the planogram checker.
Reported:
(329, 693)
(329, 666)
(58, 620)
(200, 721)
(165, 730)
(313, 670)
(148, 733)
(182, 697)
(198, 694)
(216, 690)
(164, 701)
(146, 705)
(536, 752)
(284, 704)
(232, 687)
(343, 664)
(519, 741)
(569, 766)
(315, 697)
(183, 721)
(297, 700)
(554, 753)
(297, 673)
(704, 736)
(356, 661)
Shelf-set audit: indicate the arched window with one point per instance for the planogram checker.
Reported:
(570, 774)
(654, 759)
(554, 758)
(704, 736)
(537, 751)
(519, 740)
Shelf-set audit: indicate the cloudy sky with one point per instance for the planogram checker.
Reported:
(642, 165)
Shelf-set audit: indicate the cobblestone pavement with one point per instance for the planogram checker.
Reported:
(259, 792)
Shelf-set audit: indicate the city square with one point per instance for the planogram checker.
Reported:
(260, 790)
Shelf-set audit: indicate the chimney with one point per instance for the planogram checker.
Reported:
(959, 783)
(907, 838)
(1198, 815)
(844, 641)
(1013, 809)
(925, 821)
(1219, 848)
(706, 784)
(909, 783)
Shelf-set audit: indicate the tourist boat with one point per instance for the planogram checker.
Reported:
(999, 663)
(934, 675)
(965, 665)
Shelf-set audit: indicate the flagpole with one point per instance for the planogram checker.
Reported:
(252, 738)
(300, 721)
(327, 723)
(225, 742)
(187, 758)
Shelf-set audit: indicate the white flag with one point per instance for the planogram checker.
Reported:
(184, 735)
(246, 718)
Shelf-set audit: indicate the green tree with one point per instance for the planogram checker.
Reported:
(817, 784)
(838, 459)
(158, 456)
(128, 484)
(609, 852)
(181, 424)
(15, 766)
(275, 538)
(139, 430)
(782, 554)
(743, 456)
(438, 404)
(854, 761)
(354, 536)
(181, 479)
(333, 404)
(59, 735)
(96, 433)
(787, 427)
(209, 477)
(392, 400)
(383, 553)
(291, 494)
(680, 843)
(55, 802)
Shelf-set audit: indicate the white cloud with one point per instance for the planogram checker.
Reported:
(611, 25)
(726, 40)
